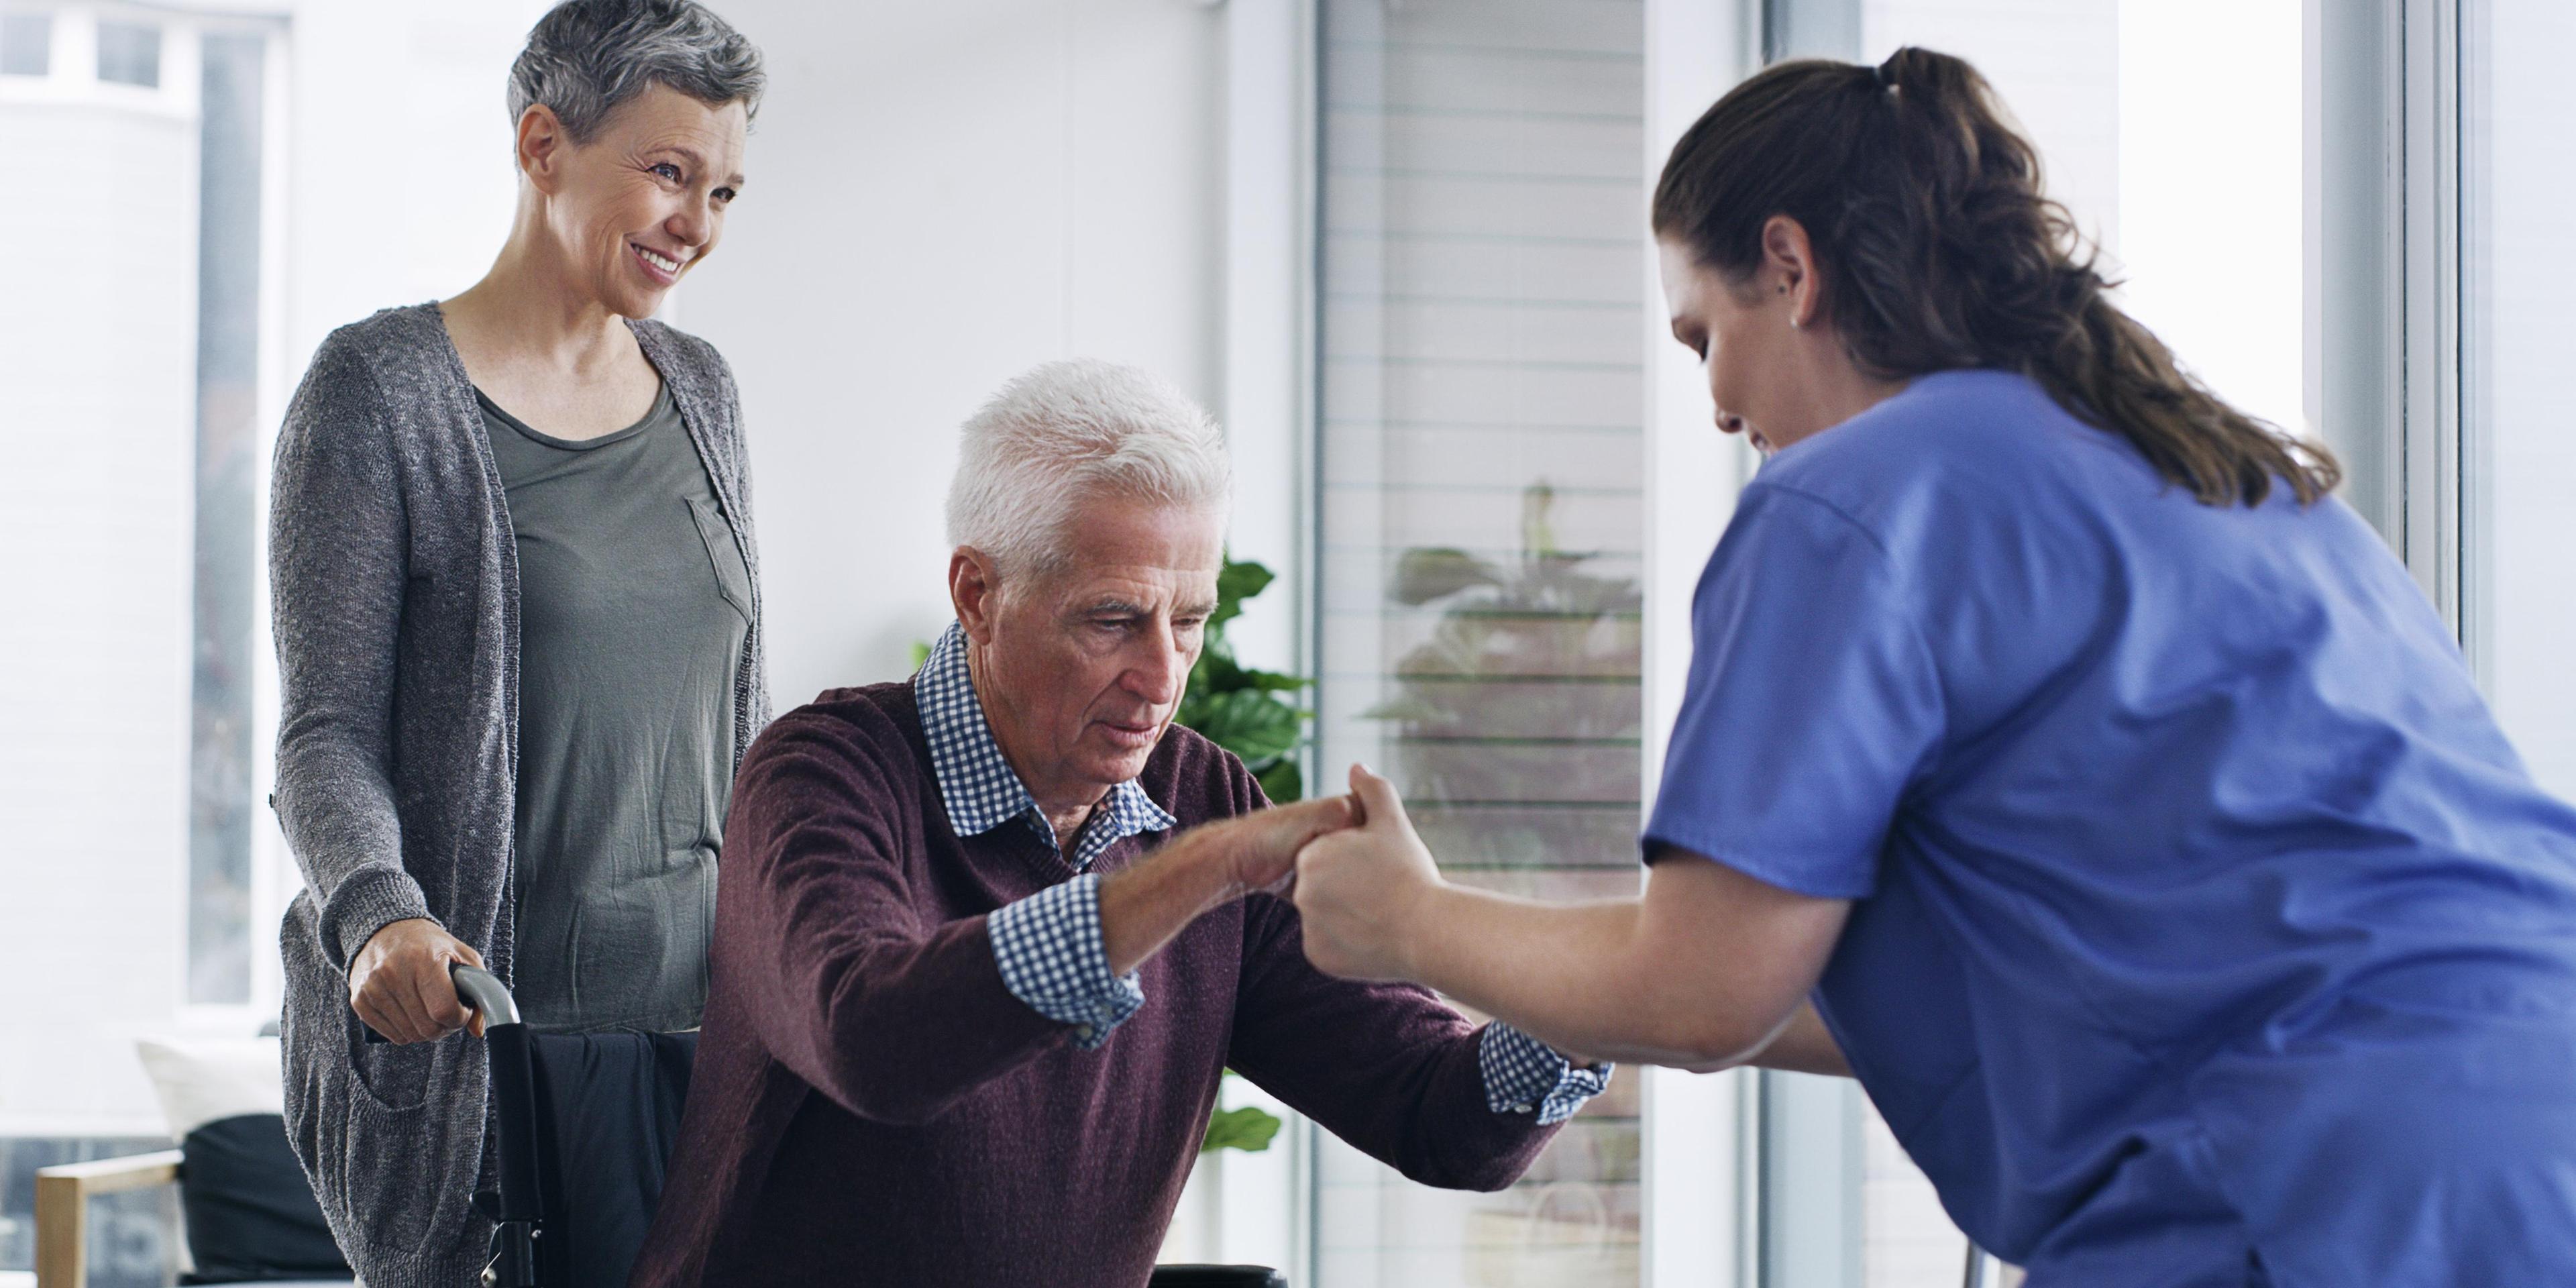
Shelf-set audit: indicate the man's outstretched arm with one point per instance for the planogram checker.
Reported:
(890, 1012)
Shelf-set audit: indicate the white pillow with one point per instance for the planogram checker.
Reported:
(201, 1081)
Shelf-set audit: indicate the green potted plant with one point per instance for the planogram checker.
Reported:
(1252, 713)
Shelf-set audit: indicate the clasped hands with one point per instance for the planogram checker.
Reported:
(1358, 874)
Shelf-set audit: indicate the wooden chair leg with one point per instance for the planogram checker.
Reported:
(62, 1209)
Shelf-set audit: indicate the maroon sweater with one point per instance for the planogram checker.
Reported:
(872, 1107)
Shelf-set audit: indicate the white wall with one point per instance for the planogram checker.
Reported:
(402, 181)
(98, 403)
(939, 197)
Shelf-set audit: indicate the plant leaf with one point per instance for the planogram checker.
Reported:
(1248, 1129)
(1235, 583)
(1250, 723)
(1269, 681)
(1282, 782)
(1426, 573)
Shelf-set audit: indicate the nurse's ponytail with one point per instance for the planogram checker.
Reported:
(1938, 250)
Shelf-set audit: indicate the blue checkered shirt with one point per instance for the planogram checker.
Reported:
(1049, 946)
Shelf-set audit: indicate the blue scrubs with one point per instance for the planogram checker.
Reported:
(2206, 926)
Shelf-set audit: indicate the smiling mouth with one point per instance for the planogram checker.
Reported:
(662, 267)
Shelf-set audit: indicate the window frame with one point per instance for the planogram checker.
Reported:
(1696, 1129)
(274, 879)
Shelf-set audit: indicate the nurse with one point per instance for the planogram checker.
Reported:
(2058, 758)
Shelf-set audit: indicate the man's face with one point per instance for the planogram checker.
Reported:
(1081, 668)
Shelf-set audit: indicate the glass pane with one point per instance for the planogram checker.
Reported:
(2520, 538)
(225, 663)
(26, 44)
(1483, 276)
(129, 54)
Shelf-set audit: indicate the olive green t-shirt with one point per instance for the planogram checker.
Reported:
(634, 602)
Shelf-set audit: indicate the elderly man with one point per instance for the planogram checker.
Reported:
(986, 940)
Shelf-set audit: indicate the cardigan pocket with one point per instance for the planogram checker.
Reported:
(733, 576)
(395, 1077)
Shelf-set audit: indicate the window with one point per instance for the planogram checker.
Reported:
(26, 44)
(129, 54)
(137, 688)
(1483, 245)
(225, 594)
(2518, 615)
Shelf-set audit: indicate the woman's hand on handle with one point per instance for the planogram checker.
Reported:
(1358, 890)
(398, 982)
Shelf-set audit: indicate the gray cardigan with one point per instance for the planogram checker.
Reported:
(395, 588)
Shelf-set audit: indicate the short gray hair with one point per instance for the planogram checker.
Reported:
(587, 56)
(1068, 431)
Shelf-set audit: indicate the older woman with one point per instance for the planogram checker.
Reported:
(518, 623)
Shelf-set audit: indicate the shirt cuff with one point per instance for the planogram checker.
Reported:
(1052, 958)
(1526, 1076)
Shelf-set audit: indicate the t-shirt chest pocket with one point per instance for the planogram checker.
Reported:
(733, 577)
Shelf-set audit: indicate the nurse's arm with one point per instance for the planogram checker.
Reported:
(1704, 972)
(1805, 1046)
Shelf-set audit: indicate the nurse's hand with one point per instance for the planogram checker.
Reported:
(1361, 891)
(398, 982)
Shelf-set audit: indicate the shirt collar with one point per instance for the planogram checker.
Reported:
(977, 784)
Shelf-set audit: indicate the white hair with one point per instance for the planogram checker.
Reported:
(1068, 431)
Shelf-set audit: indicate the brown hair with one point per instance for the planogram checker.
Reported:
(1936, 250)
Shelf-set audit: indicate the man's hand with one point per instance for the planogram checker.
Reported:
(1262, 847)
(398, 982)
(1359, 891)
(1206, 868)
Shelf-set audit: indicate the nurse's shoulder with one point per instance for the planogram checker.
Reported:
(1958, 456)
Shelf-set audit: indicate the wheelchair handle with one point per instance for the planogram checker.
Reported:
(482, 991)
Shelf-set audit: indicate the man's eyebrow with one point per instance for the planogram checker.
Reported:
(1118, 606)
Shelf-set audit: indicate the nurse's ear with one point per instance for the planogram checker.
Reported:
(1788, 273)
